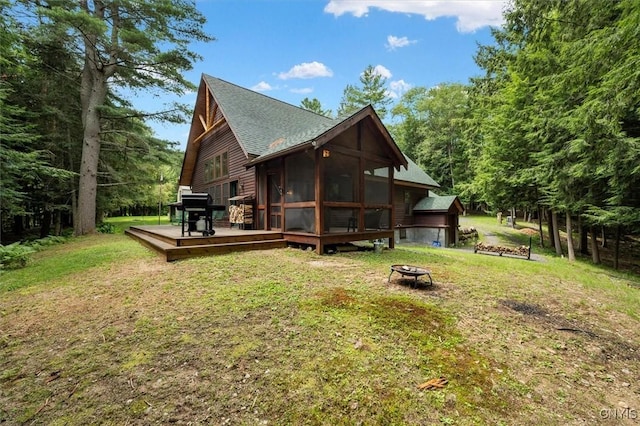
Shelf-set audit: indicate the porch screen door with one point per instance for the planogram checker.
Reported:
(275, 201)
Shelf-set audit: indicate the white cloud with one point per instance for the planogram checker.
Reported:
(263, 86)
(381, 70)
(394, 42)
(307, 70)
(398, 88)
(303, 90)
(471, 14)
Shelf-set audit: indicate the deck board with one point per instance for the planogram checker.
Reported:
(168, 241)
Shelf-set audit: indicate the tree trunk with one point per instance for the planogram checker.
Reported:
(513, 217)
(93, 92)
(616, 250)
(96, 72)
(604, 237)
(556, 233)
(552, 240)
(57, 223)
(595, 251)
(88, 184)
(584, 239)
(540, 225)
(45, 226)
(570, 253)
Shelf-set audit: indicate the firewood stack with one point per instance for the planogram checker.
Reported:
(470, 233)
(237, 213)
(517, 251)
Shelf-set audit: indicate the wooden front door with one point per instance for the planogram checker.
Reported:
(274, 201)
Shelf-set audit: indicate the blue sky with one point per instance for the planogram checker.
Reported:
(292, 49)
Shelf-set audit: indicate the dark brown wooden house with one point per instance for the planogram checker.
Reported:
(319, 181)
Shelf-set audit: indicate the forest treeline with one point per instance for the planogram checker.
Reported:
(73, 147)
(551, 126)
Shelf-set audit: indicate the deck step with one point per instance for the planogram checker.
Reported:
(173, 252)
(148, 240)
(184, 252)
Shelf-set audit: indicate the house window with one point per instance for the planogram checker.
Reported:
(225, 164)
(216, 167)
(208, 171)
(408, 207)
(219, 194)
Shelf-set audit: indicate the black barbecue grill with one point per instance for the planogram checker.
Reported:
(199, 206)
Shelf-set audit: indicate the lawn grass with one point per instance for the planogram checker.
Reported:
(121, 223)
(101, 330)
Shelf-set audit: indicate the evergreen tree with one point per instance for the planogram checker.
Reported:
(372, 92)
(140, 44)
(314, 105)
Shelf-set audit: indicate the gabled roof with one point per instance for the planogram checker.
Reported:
(414, 174)
(258, 120)
(411, 173)
(323, 133)
(437, 203)
(266, 128)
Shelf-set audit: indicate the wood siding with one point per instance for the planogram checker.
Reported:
(435, 220)
(214, 144)
(402, 216)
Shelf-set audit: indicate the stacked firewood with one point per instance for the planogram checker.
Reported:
(470, 233)
(240, 214)
(517, 251)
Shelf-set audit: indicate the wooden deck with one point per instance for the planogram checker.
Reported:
(168, 241)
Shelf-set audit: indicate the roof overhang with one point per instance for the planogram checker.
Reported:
(398, 159)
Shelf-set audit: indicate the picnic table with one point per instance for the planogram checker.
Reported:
(411, 271)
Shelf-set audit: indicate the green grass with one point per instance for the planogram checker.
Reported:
(121, 223)
(54, 264)
(290, 337)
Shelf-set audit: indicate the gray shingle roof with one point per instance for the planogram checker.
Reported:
(437, 202)
(258, 120)
(265, 126)
(414, 173)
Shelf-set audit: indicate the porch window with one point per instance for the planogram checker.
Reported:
(299, 178)
(341, 179)
(300, 220)
(375, 219)
(376, 183)
(339, 220)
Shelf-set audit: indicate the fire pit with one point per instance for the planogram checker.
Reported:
(411, 271)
